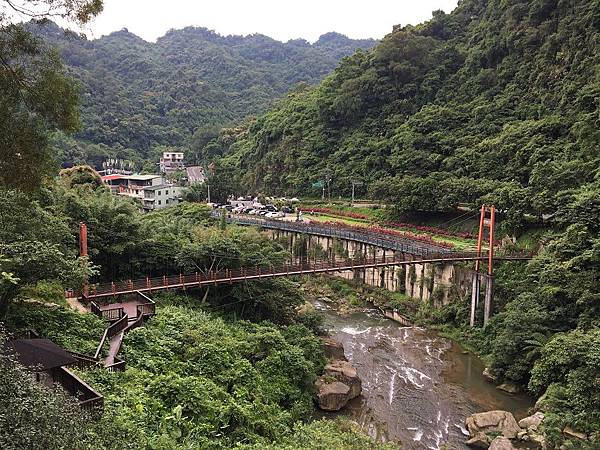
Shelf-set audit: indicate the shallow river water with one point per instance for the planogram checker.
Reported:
(418, 388)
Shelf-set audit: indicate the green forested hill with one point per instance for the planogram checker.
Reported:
(498, 103)
(496, 99)
(138, 95)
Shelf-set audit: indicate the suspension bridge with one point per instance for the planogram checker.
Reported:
(243, 274)
(404, 252)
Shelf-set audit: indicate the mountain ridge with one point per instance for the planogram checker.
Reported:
(484, 104)
(139, 96)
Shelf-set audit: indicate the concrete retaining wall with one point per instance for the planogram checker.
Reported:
(435, 283)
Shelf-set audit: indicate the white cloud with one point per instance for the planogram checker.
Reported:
(280, 19)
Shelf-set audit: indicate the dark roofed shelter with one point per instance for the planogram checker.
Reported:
(47, 362)
(39, 354)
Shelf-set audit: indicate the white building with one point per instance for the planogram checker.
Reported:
(171, 162)
(161, 196)
(151, 190)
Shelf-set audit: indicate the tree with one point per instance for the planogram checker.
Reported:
(568, 368)
(78, 11)
(81, 175)
(31, 414)
(8, 285)
(35, 93)
(223, 181)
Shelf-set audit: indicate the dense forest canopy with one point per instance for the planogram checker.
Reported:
(137, 96)
(497, 101)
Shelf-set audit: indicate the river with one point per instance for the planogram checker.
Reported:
(418, 388)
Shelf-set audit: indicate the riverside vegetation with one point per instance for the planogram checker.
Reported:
(231, 368)
(496, 102)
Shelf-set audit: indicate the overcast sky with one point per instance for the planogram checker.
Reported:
(279, 19)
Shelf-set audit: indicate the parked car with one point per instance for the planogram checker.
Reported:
(271, 208)
(253, 212)
(287, 210)
(263, 212)
(274, 214)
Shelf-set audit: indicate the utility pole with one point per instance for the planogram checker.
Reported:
(355, 183)
(208, 187)
(83, 253)
(328, 180)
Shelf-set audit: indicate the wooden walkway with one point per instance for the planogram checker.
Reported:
(124, 316)
(113, 349)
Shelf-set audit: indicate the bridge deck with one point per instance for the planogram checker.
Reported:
(198, 279)
(391, 242)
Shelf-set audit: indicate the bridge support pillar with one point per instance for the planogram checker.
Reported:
(489, 298)
(474, 296)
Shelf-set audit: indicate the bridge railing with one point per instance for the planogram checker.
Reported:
(89, 399)
(110, 331)
(397, 243)
(295, 267)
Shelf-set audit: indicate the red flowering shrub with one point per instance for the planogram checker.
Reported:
(335, 212)
(386, 231)
(402, 225)
(433, 230)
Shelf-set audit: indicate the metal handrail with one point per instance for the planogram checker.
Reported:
(101, 344)
(336, 264)
(405, 245)
(118, 326)
(117, 366)
(109, 332)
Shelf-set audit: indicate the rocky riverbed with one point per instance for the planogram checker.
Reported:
(417, 387)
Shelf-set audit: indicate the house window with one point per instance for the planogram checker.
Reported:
(167, 202)
(166, 192)
(158, 192)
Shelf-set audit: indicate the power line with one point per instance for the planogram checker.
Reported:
(470, 213)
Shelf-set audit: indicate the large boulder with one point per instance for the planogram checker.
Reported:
(510, 388)
(344, 372)
(479, 441)
(488, 375)
(333, 349)
(483, 425)
(501, 443)
(532, 422)
(333, 396)
(539, 440)
(542, 403)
